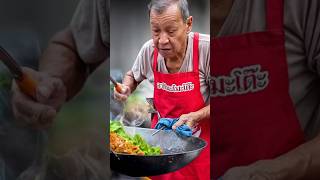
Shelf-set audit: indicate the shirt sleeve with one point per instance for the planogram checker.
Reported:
(90, 27)
(303, 18)
(205, 72)
(312, 35)
(205, 64)
(142, 67)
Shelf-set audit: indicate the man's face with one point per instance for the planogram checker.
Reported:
(169, 31)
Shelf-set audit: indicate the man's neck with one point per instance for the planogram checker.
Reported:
(174, 64)
(219, 12)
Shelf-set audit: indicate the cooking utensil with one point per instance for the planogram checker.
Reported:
(114, 154)
(28, 86)
(116, 85)
(152, 108)
(118, 89)
(158, 130)
(177, 153)
(122, 116)
(24, 81)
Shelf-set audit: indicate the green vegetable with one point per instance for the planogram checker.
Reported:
(116, 126)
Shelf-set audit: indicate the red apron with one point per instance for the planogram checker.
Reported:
(177, 94)
(253, 115)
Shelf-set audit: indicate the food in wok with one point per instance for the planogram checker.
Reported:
(120, 145)
(121, 142)
(177, 152)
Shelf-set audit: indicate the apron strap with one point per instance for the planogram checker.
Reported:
(155, 60)
(196, 52)
(274, 14)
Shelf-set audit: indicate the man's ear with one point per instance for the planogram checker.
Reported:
(189, 24)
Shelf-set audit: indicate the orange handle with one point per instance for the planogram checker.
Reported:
(145, 178)
(119, 88)
(28, 85)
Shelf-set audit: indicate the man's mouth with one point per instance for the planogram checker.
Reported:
(165, 49)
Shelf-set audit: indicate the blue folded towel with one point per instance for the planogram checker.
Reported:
(183, 130)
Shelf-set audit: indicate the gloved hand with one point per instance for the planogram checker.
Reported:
(183, 130)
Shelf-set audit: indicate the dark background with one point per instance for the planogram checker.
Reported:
(44, 17)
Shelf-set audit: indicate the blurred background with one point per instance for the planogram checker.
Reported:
(43, 17)
(25, 29)
(130, 28)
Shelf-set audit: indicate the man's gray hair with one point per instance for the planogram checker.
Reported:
(161, 5)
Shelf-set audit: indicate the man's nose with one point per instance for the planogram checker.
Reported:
(163, 39)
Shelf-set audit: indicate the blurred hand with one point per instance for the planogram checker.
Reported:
(260, 170)
(241, 173)
(40, 111)
(190, 119)
(123, 95)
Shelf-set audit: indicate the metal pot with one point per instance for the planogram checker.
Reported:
(177, 152)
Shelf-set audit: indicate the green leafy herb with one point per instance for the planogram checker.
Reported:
(116, 126)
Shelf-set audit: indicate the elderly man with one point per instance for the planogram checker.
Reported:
(176, 61)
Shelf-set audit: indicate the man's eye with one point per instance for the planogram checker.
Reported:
(172, 31)
(156, 30)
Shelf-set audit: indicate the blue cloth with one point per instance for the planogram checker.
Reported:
(183, 130)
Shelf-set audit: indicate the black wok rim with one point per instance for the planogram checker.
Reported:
(122, 154)
(200, 149)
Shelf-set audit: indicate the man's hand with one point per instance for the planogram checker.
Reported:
(273, 169)
(123, 95)
(39, 111)
(193, 118)
(245, 173)
(190, 119)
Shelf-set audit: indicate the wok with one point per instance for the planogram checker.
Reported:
(177, 152)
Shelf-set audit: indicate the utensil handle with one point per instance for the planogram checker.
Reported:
(27, 85)
(119, 88)
(114, 154)
(117, 85)
(156, 132)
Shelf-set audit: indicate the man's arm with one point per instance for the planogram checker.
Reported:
(61, 75)
(128, 80)
(193, 118)
(76, 51)
(62, 61)
(71, 56)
